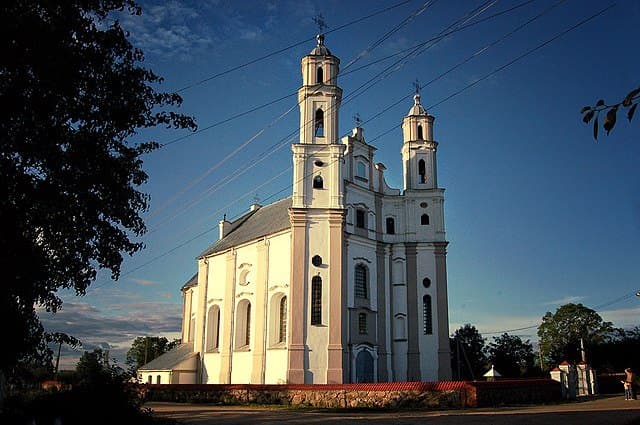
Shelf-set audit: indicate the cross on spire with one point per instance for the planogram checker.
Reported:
(256, 198)
(357, 119)
(416, 86)
(320, 22)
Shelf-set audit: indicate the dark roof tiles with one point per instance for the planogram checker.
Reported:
(264, 221)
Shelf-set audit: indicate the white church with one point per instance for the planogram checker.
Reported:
(344, 281)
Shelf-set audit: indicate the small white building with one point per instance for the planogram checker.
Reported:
(343, 281)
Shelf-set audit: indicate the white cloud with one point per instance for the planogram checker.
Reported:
(144, 282)
(103, 328)
(565, 300)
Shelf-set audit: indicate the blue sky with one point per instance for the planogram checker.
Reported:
(537, 213)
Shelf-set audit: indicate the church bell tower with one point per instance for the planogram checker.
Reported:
(419, 148)
(316, 347)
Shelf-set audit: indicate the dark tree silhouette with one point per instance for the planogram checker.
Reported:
(471, 360)
(510, 355)
(73, 92)
(630, 102)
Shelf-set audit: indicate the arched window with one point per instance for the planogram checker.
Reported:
(316, 300)
(150, 379)
(243, 324)
(362, 323)
(282, 323)
(158, 379)
(247, 326)
(317, 182)
(319, 123)
(424, 219)
(391, 226)
(213, 328)
(420, 137)
(319, 76)
(361, 281)
(422, 172)
(427, 324)
(361, 170)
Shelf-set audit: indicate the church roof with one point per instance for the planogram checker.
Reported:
(263, 221)
(191, 282)
(171, 358)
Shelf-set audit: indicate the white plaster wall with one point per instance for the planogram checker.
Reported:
(428, 344)
(241, 367)
(276, 371)
(361, 251)
(211, 372)
(185, 378)
(242, 361)
(165, 377)
(317, 337)
(279, 275)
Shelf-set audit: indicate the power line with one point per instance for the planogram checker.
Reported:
(291, 46)
(278, 145)
(260, 132)
(343, 73)
(511, 62)
(596, 309)
(470, 85)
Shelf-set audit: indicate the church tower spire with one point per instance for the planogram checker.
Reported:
(419, 148)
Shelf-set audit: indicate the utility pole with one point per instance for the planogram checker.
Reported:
(146, 348)
(58, 357)
(459, 360)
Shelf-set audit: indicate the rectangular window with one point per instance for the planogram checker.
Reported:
(360, 219)
(316, 301)
(426, 315)
(362, 323)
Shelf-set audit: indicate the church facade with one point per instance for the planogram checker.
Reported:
(343, 281)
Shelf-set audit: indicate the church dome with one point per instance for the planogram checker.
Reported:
(320, 49)
(417, 108)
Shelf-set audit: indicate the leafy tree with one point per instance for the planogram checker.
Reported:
(146, 348)
(469, 344)
(92, 369)
(560, 333)
(618, 353)
(630, 102)
(510, 355)
(73, 93)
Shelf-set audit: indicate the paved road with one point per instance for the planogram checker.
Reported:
(600, 411)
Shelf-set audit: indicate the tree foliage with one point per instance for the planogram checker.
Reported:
(560, 332)
(73, 93)
(510, 355)
(471, 360)
(146, 348)
(630, 102)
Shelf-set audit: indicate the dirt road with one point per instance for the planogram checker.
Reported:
(599, 411)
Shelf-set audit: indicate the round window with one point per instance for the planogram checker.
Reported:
(426, 282)
(316, 260)
(423, 204)
(319, 163)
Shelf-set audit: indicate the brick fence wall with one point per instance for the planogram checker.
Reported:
(435, 395)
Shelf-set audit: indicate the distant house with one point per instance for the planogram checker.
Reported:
(343, 281)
